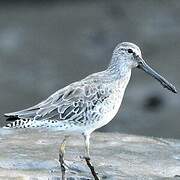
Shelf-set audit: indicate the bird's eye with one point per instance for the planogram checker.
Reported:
(130, 51)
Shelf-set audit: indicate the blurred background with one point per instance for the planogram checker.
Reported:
(45, 45)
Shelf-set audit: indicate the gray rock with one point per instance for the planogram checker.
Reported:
(46, 46)
(33, 154)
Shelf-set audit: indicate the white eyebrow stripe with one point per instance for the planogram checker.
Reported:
(122, 49)
(126, 49)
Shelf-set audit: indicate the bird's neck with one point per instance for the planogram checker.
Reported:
(118, 68)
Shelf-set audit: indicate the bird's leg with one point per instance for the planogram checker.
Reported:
(61, 157)
(86, 141)
(87, 157)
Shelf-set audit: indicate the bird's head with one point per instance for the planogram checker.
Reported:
(129, 55)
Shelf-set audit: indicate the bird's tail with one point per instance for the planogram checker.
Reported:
(13, 122)
(19, 123)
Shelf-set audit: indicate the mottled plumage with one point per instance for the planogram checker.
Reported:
(79, 105)
(88, 104)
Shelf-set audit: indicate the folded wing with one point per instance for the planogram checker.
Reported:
(71, 102)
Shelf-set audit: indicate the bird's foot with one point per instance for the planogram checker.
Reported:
(63, 165)
(67, 165)
(61, 158)
(91, 167)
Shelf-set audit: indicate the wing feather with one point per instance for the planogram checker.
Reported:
(70, 103)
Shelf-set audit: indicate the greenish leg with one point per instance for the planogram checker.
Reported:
(86, 141)
(87, 157)
(61, 157)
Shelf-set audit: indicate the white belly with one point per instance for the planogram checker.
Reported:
(109, 108)
(108, 112)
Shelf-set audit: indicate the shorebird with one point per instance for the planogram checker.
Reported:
(90, 103)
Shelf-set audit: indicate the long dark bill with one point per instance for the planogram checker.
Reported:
(142, 65)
